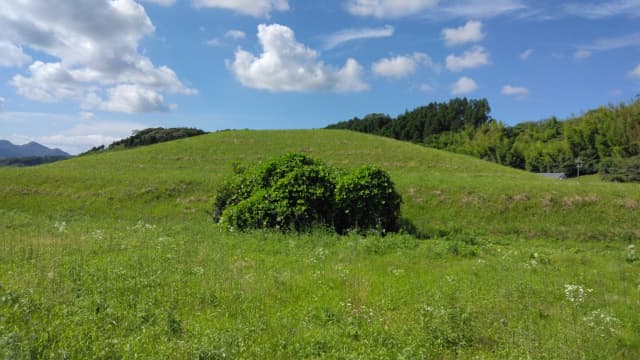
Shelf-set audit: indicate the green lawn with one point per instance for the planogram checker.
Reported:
(114, 256)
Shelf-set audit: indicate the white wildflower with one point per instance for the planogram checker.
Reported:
(576, 294)
(98, 235)
(601, 321)
(61, 226)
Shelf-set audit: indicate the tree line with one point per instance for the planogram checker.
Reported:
(605, 140)
(148, 136)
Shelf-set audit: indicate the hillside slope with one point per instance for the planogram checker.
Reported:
(443, 193)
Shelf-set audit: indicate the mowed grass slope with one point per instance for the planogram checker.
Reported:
(114, 256)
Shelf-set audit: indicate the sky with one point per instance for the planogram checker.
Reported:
(88, 72)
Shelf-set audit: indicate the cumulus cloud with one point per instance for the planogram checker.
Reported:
(133, 99)
(475, 9)
(285, 65)
(12, 55)
(463, 86)
(635, 73)
(469, 32)
(514, 90)
(473, 58)
(604, 9)
(256, 8)
(347, 35)
(401, 66)
(95, 47)
(525, 55)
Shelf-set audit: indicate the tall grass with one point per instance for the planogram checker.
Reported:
(114, 256)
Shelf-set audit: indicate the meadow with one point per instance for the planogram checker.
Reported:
(114, 256)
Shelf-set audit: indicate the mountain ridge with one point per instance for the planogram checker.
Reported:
(30, 149)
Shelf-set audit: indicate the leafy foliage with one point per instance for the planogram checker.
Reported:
(296, 192)
(549, 145)
(621, 169)
(416, 125)
(149, 136)
(367, 199)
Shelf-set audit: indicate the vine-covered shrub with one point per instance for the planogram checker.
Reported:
(296, 192)
(366, 199)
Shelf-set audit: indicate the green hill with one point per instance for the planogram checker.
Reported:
(442, 192)
(114, 255)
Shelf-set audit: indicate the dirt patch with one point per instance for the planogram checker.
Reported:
(629, 204)
(576, 200)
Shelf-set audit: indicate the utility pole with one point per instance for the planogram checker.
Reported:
(579, 163)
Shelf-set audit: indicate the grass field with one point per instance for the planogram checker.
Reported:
(114, 256)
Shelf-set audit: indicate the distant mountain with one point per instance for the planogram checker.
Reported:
(32, 149)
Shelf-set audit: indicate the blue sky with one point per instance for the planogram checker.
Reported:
(85, 73)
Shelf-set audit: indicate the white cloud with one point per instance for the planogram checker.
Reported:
(94, 44)
(401, 66)
(213, 42)
(161, 2)
(608, 44)
(426, 88)
(231, 34)
(87, 115)
(435, 9)
(473, 58)
(133, 99)
(2, 100)
(344, 36)
(635, 73)
(604, 9)
(481, 9)
(470, 32)
(287, 65)
(235, 34)
(614, 43)
(48, 82)
(464, 85)
(12, 55)
(514, 90)
(257, 8)
(64, 131)
(582, 54)
(389, 8)
(525, 55)
(84, 136)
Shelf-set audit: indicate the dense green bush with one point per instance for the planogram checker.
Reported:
(366, 199)
(621, 169)
(296, 192)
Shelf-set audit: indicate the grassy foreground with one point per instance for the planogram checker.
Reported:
(113, 256)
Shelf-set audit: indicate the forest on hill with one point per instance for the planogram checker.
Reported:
(605, 140)
(148, 136)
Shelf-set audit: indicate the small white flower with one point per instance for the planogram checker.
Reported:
(98, 234)
(61, 226)
(576, 294)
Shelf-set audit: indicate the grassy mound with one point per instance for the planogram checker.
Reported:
(114, 255)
